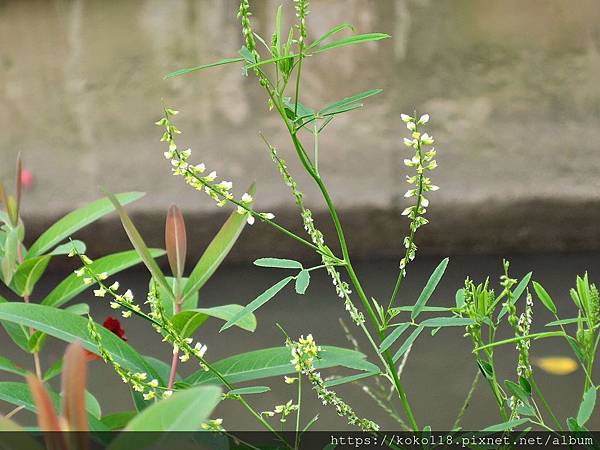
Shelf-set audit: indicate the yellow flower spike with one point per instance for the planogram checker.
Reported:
(556, 365)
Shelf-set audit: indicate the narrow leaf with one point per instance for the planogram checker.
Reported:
(349, 379)
(348, 101)
(544, 297)
(516, 294)
(216, 251)
(139, 244)
(257, 303)
(393, 336)
(432, 283)
(352, 40)
(329, 33)
(407, 343)
(188, 321)
(249, 390)
(222, 62)
(447, 322)
(7, 365)
(76, 220)
(278, 263)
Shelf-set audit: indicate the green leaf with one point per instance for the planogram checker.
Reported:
(544, 297)
(302, 282)
(586, 408)
(460, 298)
(92, 406)
(447, 322)
(72, 286)
(9, 260)
(275, 361)
(349, 379)
(393, 336)
(432, 283)
(516, 294)
(36, 342)
(65, 249)
(187, 322)
(18, 394)
(517, 391)
(352, 40)
(222, 62)
(54, 370)
(486, 369)
(29, 273)
(69, 327)
(118, 421)
(216, 251)
(407, 343)
(506, 425)
(81, 309)
(138, 243)
(184, 411)
(562, 322)
(409, 308)
(257, 303)
(249, 390)
(7, 365)
(329, 33)
(278, 263)
(76, 220)
(348, 102)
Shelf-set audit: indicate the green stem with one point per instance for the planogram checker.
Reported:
(297, 441)
(538, 391)
(467, 401)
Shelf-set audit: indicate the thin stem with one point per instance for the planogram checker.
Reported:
(297, 441)
(387, 358)
(14, 411)
(174, 361)
(467, 401)
(316, 144)
(538, 391)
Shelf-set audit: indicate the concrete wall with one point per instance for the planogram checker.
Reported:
(512, 89)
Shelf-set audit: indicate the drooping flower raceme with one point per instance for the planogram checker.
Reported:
(185, 347)
(195, 174)
(304, 352)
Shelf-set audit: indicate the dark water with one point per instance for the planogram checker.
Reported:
(438, 373)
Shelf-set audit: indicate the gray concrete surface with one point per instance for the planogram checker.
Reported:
(511, 86)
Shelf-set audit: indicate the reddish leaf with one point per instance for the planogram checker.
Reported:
(176, 241)
(73, 387)
(46, 414)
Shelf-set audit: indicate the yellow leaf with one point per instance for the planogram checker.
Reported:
(556, 365)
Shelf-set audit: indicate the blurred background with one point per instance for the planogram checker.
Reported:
(513, 93)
